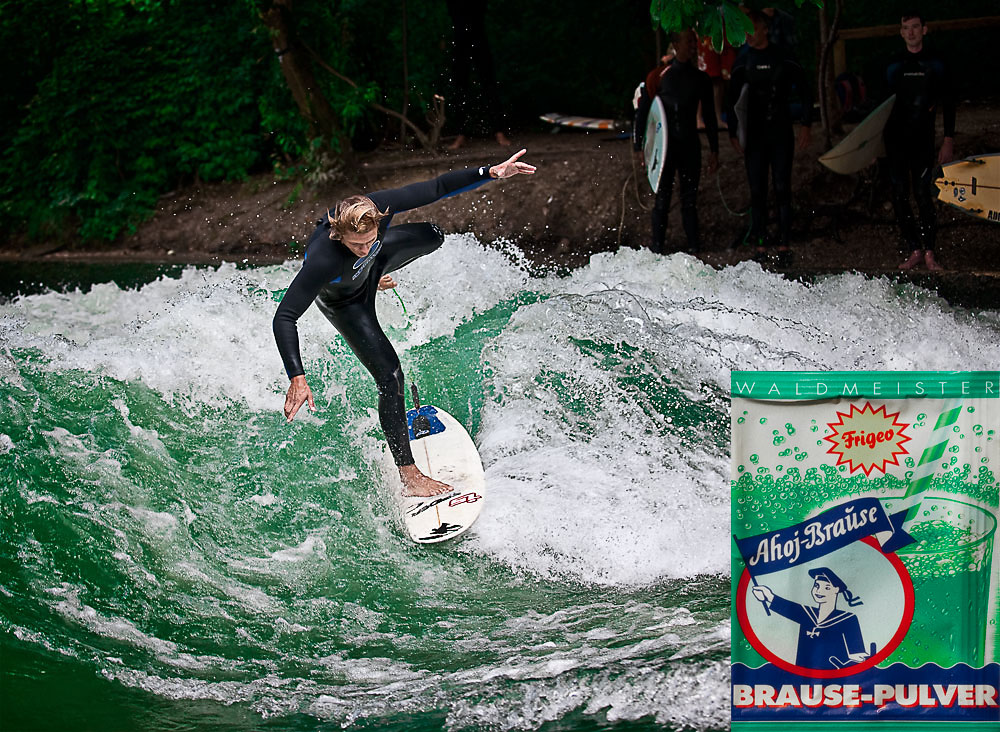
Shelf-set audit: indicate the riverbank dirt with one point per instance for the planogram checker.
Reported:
(589, 195)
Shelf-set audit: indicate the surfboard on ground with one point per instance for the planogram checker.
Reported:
(864, 143)
(654, 147)
(443, 450)
(584, 123)
(972, 185)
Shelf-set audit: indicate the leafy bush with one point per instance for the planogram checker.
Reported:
(137, 101)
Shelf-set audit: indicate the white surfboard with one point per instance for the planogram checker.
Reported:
(654, 148)
(443, 450)
(864, 143)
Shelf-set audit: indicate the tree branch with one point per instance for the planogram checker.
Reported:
(427, 141)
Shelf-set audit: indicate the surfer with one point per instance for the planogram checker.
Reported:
(681, 86)
(772, 74)
(348, 259)
(921, 81)
(828, 638)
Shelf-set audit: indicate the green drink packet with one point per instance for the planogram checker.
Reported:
(864, 582)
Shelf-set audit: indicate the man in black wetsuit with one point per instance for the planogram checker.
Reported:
(921, 82)
(772, 75)
(681, 87)
(347, 261)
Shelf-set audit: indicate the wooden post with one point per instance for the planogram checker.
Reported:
(839, 58)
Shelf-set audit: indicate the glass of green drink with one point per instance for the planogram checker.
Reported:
(950, 566)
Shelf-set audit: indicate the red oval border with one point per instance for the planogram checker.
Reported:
(897, 638)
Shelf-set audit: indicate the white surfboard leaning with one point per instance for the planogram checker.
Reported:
(864, 143)
(654, 148)
(443, 450)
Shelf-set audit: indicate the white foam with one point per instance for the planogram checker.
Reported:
(71, 607)
(591, 479)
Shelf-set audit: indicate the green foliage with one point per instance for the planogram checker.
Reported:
(721, 20)
(138, 100)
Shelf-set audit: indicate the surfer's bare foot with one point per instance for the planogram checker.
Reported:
(931, 262)
(459, 141)
(503, 139)
(916, 258)
(416, 483)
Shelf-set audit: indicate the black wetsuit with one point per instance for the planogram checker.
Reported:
(344, 288)
(773, 75)
(922, 84)
(682, 87)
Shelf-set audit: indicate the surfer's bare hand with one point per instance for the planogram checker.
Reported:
(511, 166)
(298, 394)
(737, 146)
(386, 282)
(416, 483)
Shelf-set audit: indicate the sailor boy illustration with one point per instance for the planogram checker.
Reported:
(828, 638)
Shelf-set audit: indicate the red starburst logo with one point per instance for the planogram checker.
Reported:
(867, 439)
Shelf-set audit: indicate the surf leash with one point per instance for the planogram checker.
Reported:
(403, 305)
(718, 183)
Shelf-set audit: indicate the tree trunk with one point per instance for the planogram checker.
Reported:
(406, 83)
(828, 108)
(297, 70)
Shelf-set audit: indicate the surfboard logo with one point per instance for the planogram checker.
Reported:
(442, 530)
(424, 505)
(464, 498)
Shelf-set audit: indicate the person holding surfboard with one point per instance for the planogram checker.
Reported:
(348, 259)
(922, 83)
(681, 86)
(766, 76)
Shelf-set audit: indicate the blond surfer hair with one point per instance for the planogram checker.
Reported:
(355, 214)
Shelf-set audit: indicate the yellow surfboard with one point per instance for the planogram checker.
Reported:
(972, 185)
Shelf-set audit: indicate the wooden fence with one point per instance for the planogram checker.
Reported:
(882, 31)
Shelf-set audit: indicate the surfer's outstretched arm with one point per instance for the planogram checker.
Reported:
(396, 200)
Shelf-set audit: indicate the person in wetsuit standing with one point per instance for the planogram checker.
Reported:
(681, 86)
(921, 81)
(772, 75)
(348, 259)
